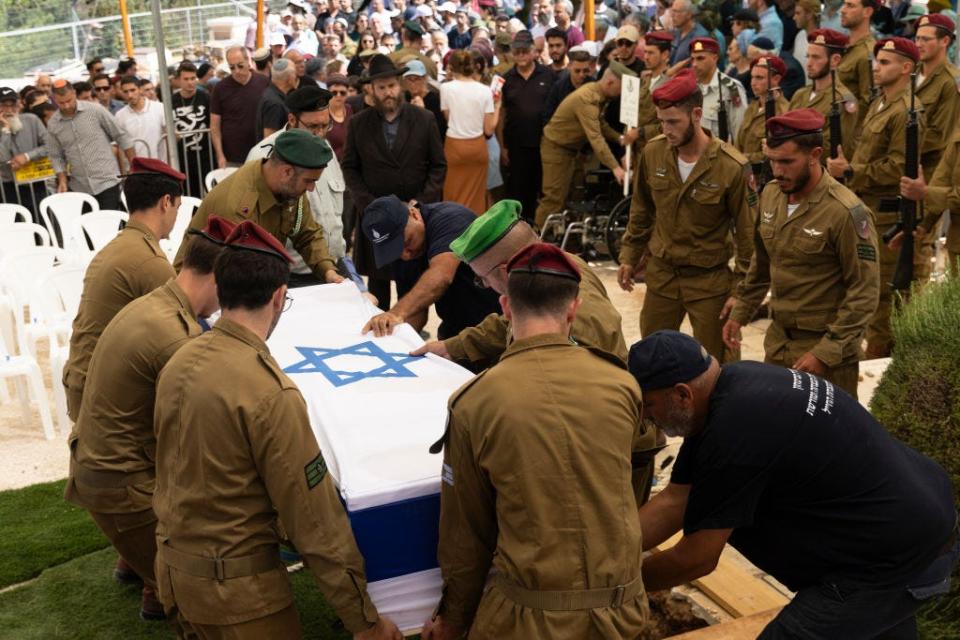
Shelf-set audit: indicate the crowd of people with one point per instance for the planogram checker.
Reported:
(425, 145)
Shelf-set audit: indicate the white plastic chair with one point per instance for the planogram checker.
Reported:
(10, 212)
(64, 284)
(217, 175)
(29, 382)
(66, 209)
(171, 244)
(22, 275)
(21, 236)
(100, 227)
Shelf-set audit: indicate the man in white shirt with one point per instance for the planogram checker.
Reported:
(705, 52)
(142, 120)
(807, 16)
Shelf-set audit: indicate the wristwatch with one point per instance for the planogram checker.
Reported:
(848, 173)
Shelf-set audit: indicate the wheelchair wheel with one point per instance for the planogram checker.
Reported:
(616, 226)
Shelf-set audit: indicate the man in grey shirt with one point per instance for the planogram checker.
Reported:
(23, 139)
(79, 138)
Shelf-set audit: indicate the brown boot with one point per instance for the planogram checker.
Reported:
(150, 608)
(124, 573)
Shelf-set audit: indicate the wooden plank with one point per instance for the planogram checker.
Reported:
(746, 628)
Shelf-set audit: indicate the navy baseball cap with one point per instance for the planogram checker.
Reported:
(383, 223)
(666, 358)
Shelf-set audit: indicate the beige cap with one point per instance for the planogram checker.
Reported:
(628, 32)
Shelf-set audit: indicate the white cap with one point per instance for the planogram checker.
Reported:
(424, 11)
(276, 37)
(447, 7)
(591, 47)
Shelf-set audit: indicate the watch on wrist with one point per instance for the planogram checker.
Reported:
(848, 173)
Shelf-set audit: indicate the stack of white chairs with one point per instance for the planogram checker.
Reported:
(100, 227)
(64, 210)
(11, 213)
(62, 289)
(171, 244)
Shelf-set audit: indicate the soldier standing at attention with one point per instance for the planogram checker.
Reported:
(237, 461)
(578, 121)
(766, 72)
(714, 84)
(131, 265)
(691, 204)
(112, 446)
(874, 171)
(816, 248)
(855, 69)
(536, 482)
(824, 52)
(657, 49)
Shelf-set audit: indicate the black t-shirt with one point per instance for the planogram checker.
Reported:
(192, 114)
(814, 487)
(523, 102)
(272, 113)
(463, 304)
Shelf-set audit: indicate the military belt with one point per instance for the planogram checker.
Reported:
(220, 568)
(110, 479)
(690, 271)
(579, 600)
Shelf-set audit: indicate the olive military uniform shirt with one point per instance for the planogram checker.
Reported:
(402, 56)
(244, 196)
(939, 97)
(695, 223)
(856, 73)
(647, 112)
(943, 194)
(807, 98)
(114, 431)
(131, 265)
(536, 482)
(578, 120)
(236, 458)
(820, 265)
(754, 128)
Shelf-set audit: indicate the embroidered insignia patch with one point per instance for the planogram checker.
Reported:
(315, 471)
(447, 474)
(867, 252)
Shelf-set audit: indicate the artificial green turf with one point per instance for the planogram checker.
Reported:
(39, 529)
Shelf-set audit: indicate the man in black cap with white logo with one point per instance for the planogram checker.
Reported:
(415, 238)
(797, 476)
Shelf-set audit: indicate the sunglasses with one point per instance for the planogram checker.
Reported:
(624, 43)
(338, 93)
(101, 89)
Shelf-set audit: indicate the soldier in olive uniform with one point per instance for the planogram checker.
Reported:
(536, 479)
(766, 72)
(657, 48)
(578, 121)
(824, 51)
(131, 265)
(412, 49)
(874, 171)
(237, 462)
(487, 245)
(815, 248)
(271, 193)
(855, 69)
(112, 446)
(691, 203)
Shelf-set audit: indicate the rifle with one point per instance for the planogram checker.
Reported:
(835, 132)
(723, 126)
(769, 111)
(907, 221)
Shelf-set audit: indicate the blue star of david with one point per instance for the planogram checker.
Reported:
(314, 361)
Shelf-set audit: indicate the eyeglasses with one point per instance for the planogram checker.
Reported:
(101, 89)
(287, 303)
(315, 129)
(624, 43)
(481, 281)
(338, 93)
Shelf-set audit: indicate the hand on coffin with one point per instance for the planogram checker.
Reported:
(437, 629)
(383, 324)
(435, 347)
(385, 629)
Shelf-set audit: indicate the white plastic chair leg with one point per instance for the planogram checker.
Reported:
(36, 383)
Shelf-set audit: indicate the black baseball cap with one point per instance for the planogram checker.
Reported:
(6, 93)
(666, 358)
(383, 223)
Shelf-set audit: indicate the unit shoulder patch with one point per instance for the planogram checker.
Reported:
(315, 471)
(861, 221)
(866, 252)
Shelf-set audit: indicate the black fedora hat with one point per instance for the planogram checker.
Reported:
(382, 67)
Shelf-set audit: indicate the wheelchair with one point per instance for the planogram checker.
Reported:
(593, 220)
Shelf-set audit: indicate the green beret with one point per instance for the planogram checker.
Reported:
(486, 230)
(413, 27)
(302, 149)
(619, 69)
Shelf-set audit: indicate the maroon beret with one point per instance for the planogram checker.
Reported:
(939, 21)
(152, 165)
(252, 237)
(676, 89)
(698, 45)
(542, 257)
(659, 36)
(775, 63)
(898, 45)
(216, 230)
(794, 123)
(828, 38)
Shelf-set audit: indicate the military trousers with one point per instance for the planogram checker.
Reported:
(660, 312)
(74, 398)
(133, 535)
(783, 347)
(559, 165)
(282, 624)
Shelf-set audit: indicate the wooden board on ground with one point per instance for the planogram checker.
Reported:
(745, 628)
(734, 589)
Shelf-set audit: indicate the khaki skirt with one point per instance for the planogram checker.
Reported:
(466, 181)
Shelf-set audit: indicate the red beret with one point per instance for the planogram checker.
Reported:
(541, 257)
(152, 165)
(217, 229)
(828, 38)
(676, 89)
(795, 123)
(709, 45)
(252, 237)
(901, 46)
(775, 63)
(939, 21)
(659, 36)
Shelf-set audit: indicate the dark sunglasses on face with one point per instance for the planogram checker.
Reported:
(99, 89)
(338, 93)
(624, 43)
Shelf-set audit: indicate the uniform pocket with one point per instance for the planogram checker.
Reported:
(811, 245)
